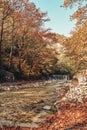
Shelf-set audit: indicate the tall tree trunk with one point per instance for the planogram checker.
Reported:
(0, 55)
(19, 63)
(10, 57)
(1, 40)
(12, 44)
(20, 53)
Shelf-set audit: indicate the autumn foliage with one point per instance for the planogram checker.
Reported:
(76, 45)
(23, 40)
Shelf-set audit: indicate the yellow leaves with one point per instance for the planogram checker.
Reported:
(81, 13)
(76, 47)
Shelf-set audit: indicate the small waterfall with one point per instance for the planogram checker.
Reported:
(58, 77)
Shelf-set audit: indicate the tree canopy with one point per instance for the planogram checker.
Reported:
(76, 45)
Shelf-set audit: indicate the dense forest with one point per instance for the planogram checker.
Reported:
(27, 50)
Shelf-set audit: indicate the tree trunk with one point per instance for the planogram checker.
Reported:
(20, 53)
(30, 70)
(0, 55)
(12, 44)
(1, 40)
(19, 64)
(10, 58)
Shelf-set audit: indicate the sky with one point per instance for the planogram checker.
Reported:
(59, 17)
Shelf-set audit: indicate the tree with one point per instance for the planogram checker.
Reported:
(4, 13)
(13, 14)
(26, 45)
(76, 45)
(81, 14)
(31, 20)
(7, 8)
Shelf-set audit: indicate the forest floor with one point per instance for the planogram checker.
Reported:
(30, 108)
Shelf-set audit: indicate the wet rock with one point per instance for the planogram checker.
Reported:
(47, 107)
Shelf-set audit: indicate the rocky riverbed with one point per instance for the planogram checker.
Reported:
(27, 104)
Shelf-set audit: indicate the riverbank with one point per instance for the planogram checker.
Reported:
(73, 116)
(32, 103)
(26, 104)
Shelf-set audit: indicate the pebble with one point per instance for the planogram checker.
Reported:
(47, 107)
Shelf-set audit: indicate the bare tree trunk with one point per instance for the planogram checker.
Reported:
(1, 40)
(0, 55)
(20, 53)
(10, 57)
(12, 44)
(19, 64)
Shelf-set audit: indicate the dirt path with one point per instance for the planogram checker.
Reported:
(27, 107)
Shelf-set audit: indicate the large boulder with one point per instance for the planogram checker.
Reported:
(6, 76)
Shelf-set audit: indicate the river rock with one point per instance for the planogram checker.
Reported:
(47, 107)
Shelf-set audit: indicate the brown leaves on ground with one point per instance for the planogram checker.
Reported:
(72, 116)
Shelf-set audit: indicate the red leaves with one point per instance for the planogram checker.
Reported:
(70, 115)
